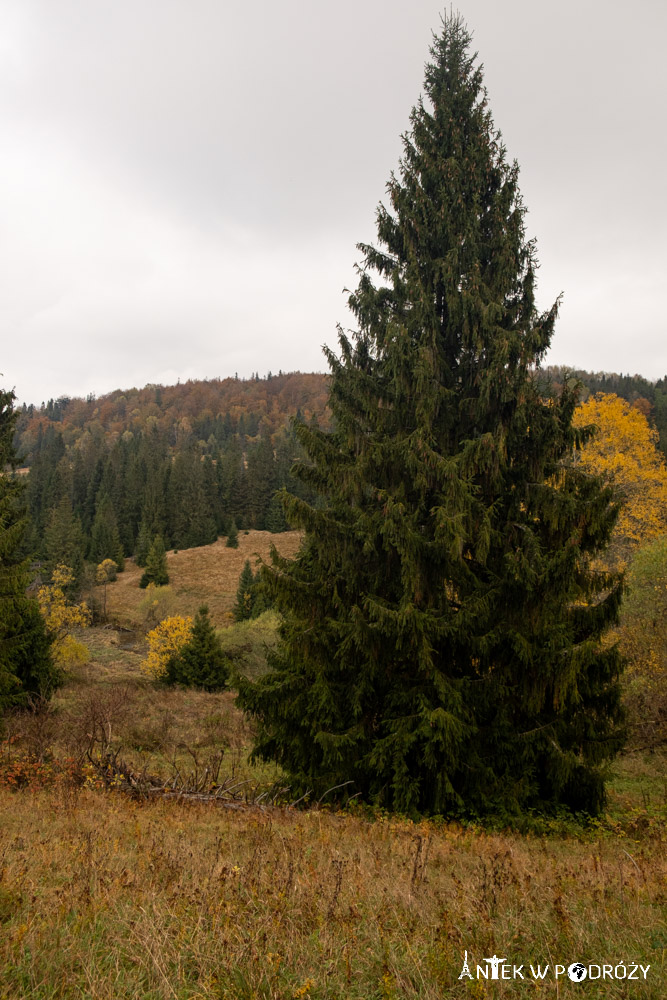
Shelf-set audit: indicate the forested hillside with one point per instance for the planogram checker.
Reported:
(184, 462)
(107, 475)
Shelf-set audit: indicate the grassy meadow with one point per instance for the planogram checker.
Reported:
(108, 893)
(205, 575)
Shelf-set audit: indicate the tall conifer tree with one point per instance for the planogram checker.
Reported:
(26, 666)
(243, 609)
(143, 544)
(63, 541)
(442, 623)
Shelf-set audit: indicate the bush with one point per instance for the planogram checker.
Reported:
(157, 604)
(200, 662)
(61, 617)
(164, 642)
(247, 644)
(107, 572)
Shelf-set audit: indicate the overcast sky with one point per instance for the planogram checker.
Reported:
(183, 182)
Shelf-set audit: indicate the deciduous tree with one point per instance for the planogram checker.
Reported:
(624, 451)
(157, 603)
(164, 642)
(62, 616)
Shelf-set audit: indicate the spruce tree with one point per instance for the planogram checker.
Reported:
(275, 516)
(156, 565)
(261, 475)
(26, 665)
(191, 516)
(64, 542)
(441, 644)
(252, 598)
(105, 539)
(201, 662)
(211, 495)
(244, 594)
(233, 537)
(143, 544)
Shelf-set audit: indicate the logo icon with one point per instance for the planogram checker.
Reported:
(577, 972)
(494, 963)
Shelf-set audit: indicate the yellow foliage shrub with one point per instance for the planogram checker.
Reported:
(61, 616)
(164, 641)
(106, 572)
(71, 653)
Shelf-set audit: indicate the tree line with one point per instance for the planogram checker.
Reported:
(106, 477)
(110, 499)
(650, 398)
(202, 407)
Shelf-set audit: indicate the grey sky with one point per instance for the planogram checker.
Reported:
(183, 182)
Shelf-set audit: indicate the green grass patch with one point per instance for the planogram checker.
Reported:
(247, 643)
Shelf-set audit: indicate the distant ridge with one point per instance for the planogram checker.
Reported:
(271, 400)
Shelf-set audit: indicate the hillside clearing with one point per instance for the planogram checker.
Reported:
(205, 575)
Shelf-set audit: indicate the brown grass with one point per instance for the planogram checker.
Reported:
(102, 897)
(205, 575)
(110, 704)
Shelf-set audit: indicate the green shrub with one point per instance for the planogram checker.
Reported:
(201, 662)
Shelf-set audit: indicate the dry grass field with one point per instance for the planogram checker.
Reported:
(205, 575)
(110, 893)
(110, 703)
(106, 898)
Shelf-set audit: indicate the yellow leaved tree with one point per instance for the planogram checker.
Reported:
(164, 641)
(61, 616)
(625, 451)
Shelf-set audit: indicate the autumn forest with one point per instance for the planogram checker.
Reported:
(185, 461)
